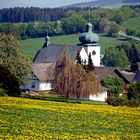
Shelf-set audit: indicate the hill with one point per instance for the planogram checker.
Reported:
(133, 25)
(106, 3)
(31, 46)
(35, 119)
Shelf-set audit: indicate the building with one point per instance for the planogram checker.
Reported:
(46, 58)
(50, 54)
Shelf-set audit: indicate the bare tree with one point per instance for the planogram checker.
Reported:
(73, 81)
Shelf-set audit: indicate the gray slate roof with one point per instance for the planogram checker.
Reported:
(52, 53)
(102, 72)
(128, 75)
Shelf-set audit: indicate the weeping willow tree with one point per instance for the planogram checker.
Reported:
(72, 80)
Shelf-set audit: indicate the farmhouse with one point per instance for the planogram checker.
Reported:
(46, 59)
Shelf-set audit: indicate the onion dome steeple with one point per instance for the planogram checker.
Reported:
(88, 37)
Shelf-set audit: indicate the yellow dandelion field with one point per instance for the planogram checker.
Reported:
(26, 119)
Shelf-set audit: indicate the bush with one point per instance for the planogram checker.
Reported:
(134, 91)
(134, 102)
(2, 92)
(111, 99)
(123, 101)
(114, 85)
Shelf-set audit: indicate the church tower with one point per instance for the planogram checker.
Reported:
(89, 41)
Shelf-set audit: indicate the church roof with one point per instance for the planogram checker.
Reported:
(52, 52)
(88, 36)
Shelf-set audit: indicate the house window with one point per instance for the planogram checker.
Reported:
(33, 84)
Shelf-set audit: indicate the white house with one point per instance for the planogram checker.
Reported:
(99, 97)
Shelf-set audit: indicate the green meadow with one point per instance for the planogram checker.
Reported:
(133, 24)
(31, 46)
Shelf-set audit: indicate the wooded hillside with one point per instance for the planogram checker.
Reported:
(58, 21)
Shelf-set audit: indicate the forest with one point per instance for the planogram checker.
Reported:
(36, 22)
(32, 14)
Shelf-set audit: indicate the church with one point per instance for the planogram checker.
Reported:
(89, 45)
(46, 58)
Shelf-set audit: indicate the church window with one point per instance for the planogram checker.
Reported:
(93, 52)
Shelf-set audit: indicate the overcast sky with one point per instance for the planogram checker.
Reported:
(37, 3)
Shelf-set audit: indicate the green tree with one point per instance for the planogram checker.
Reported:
(104, 25)
(90, 65)
(22, 30)
(12, 62)
(78, 59)
(114, 29)
(73, 24)
(134, 94)
(114, 84)
(134, 91)
(9, 82)
(70, 13)
(115, 57)
(133, 54)
(123, 14)
(31, 30)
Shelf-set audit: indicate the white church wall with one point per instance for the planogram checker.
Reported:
(100, 97)
(84, 55)
(95, 54)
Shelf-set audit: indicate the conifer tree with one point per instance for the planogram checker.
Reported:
(90, 63)
(78, 59)
(89, 67)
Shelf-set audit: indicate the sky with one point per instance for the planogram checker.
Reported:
(38, 3)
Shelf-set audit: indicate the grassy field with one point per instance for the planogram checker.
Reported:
(133, 24)
(30, 46)
(34, 119)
